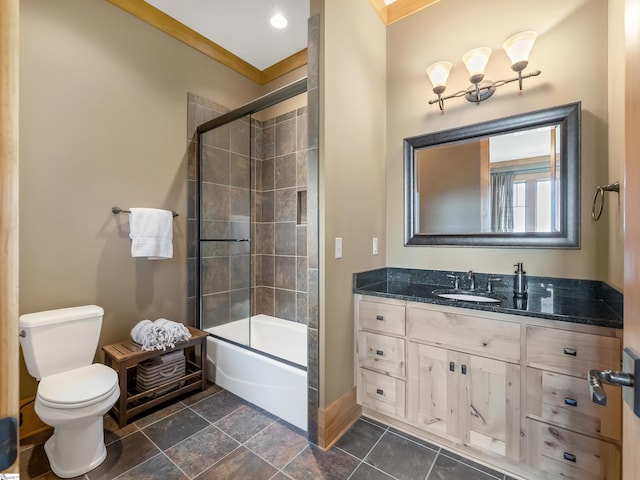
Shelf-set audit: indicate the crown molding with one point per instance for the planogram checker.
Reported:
(399, 9)
(179, 31)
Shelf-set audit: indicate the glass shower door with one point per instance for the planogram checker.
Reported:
(225, 230)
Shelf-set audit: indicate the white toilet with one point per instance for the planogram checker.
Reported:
(73, 394)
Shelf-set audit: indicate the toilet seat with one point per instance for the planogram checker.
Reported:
(78, 388)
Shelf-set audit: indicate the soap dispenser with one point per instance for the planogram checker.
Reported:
(519, 281)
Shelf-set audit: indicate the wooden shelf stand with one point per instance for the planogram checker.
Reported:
(124, 358)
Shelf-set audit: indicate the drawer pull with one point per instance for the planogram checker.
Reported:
(379, 391)
(452, 366)
(379, 317)
(570, 351)
(379, 352)
(572, 402)
(463, 369)
(570, 457)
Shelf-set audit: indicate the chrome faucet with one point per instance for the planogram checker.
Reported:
(472, 280)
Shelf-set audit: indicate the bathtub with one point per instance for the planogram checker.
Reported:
(278, 387)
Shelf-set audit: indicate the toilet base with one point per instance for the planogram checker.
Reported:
(76, 450)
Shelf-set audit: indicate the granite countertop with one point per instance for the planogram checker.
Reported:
(577, 301)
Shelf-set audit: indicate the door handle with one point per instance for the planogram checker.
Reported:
(596, 377)
(626, 379)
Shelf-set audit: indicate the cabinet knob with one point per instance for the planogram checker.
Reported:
(452, 367)
(379, 391)
(572, 402)
(463, 369)
(379, 352)
(570, 351)
(569, 456)
(379, 317)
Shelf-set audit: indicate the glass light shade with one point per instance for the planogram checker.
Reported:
(518, 47)
(476, 61)
(438, 73)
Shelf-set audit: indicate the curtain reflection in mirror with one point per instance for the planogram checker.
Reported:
(502, 197)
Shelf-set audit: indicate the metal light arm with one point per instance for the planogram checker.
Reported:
(481, 91)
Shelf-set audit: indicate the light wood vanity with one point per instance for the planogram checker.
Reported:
(507, 390)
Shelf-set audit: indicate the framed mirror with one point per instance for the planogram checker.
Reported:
(511, 182)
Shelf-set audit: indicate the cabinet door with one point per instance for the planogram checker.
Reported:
(433, 389)
(489, 405)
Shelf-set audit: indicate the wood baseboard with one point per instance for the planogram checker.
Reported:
(31, 423)
(337, 418)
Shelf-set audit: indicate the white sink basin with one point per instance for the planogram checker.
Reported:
(467, 296)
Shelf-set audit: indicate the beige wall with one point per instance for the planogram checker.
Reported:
(103, 122)
(571, 51)
(615, 203)
(352, 174)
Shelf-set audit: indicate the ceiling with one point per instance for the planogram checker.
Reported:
(238, 34)
(242, 26)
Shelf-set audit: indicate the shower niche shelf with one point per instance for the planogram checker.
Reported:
(124, 358)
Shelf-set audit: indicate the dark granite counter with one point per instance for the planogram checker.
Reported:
(577, 301)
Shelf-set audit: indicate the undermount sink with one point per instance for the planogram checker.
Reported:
(468, 296)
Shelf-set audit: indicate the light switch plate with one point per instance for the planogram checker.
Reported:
(338, 247)
(631, 364)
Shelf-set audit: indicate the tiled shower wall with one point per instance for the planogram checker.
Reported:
(277, 218)
(280, 247)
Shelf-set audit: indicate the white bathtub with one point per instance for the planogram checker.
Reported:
(276, 386)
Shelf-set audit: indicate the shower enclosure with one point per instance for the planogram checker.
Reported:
(251, 256)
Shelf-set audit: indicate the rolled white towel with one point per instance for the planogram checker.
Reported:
(176, 332)
(149, 335)
(137, 332)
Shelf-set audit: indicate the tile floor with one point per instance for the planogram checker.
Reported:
(216, 435)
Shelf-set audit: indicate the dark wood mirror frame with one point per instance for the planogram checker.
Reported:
(568, 117)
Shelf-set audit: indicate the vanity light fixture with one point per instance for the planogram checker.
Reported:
(517, 47)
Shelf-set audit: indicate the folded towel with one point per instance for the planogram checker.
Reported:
(151, 233)
(159, 335)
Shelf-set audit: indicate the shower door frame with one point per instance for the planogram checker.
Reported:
(288, 91)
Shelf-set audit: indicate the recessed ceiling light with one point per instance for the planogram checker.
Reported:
(278, 21)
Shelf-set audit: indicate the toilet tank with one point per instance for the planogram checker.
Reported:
(56, 341)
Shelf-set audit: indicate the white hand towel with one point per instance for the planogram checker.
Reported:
(151, 232)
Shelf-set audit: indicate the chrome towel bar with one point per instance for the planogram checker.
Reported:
(117, 210)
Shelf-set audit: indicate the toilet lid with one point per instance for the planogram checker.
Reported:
(79, 387)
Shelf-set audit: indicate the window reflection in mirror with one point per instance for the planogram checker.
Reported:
(500, 183)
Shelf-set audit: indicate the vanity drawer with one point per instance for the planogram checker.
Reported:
(381, 353)
(571, 455)
(491, 338)
(565, 400)
(382, 393)
(573, 353)
(381, 317)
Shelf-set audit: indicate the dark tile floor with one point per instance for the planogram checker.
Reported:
(216, 435)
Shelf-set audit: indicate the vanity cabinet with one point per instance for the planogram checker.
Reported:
(464, 378)
(468, 398)
(568, 434)
(381, 356)
(507, 390)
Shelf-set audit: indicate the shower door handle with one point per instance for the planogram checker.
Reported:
(225, 239)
